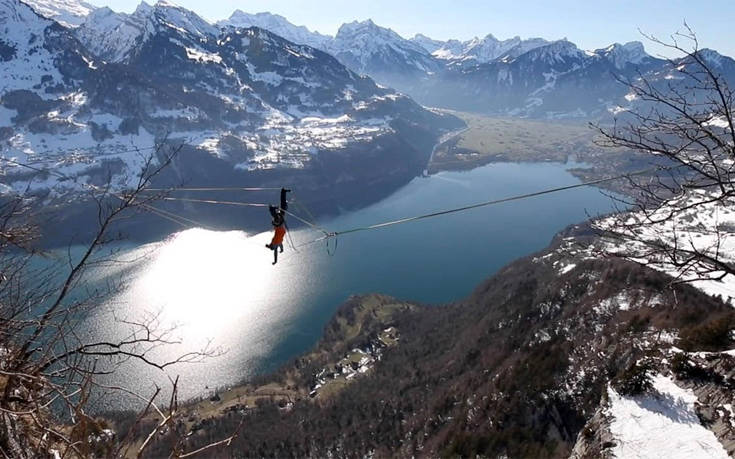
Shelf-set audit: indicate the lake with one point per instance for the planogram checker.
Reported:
(221, 286)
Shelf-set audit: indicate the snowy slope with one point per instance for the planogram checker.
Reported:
(69, 13)
(429, 44)
(381, 53)
(279, 26)
(695, 229)
(247, 97)
(112, 35)
(663, 425)
(29, 63)
(365, 47)
(46, 113)
(622, 55)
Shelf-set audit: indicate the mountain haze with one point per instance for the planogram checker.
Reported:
(531, 77)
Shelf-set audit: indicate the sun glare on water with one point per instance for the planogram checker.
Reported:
(210, 284)
(204, 278)
(213, 289)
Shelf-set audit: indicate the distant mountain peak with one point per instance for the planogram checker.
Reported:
(171, 14)
(623, 54)
(428, 43)
(486, 49)
(363, 26)
(373, 35)
(143, 8)
(278, 25)
(556, 51)
(113, 36)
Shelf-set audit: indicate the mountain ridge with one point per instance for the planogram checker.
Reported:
(256, 105)
(452, 74)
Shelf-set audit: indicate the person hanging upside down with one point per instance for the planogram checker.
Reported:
(279, 225)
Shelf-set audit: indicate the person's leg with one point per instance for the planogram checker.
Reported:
(275, 256)
(284, 202)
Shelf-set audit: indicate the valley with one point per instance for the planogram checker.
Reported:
(488, 140)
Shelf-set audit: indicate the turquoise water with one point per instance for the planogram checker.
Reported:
(220, 286)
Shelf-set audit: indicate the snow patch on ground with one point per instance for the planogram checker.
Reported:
(269, 78)
(619, 302)
(202, 56)
(663, 425)
(74, 155)
(718, 121)
(695, 229)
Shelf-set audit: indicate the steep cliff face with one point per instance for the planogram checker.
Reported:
(518, 369)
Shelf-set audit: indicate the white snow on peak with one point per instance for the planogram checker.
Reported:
(365, 39)
(664, 424)
(490, 48)
(630, 53)
(183, 20)
(429, 44)
(367, 36)
(487, 49)
(112, 35)
(279, 26)
(556, 51)
(69, 13)
(450, 50)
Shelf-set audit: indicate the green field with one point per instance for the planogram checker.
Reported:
(489, 139)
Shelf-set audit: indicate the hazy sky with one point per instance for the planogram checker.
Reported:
(589, 24)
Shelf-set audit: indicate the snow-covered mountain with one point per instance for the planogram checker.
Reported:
(623, 55)
(112, 35)
(524, 77)
(555, 80)
(247, 98)
(381, 53)
(479, 50)
(429, 44)
(279, 26)
(69, 13)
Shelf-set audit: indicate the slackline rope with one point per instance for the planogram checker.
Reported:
(329, 235)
